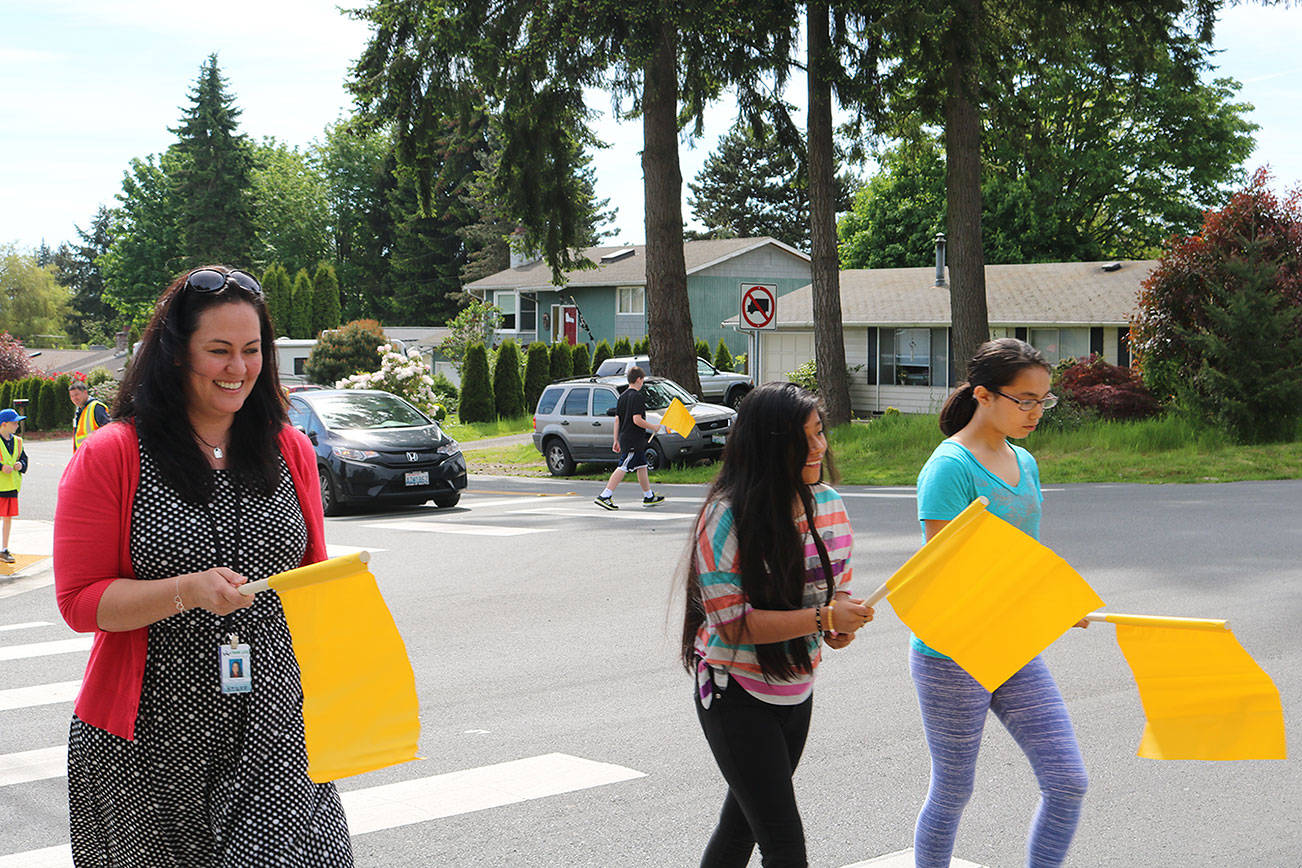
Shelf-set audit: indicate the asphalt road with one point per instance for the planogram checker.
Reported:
(539, 625)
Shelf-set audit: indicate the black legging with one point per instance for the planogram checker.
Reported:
(757, 746)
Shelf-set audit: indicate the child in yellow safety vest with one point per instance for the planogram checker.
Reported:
(13, 464)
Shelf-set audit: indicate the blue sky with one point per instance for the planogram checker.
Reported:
(89, 85)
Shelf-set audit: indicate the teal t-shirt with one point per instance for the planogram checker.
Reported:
(952, 478)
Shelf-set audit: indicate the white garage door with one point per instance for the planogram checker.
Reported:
(784, 351)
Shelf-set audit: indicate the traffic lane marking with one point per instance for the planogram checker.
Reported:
(25, 625)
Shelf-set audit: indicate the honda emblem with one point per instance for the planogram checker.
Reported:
(413, 456)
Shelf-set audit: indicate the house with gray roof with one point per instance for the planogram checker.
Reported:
(897, 325)
(608, 301)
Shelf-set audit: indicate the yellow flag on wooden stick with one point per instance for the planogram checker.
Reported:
(987, 595)
(678, 418)
(359, 693)
(1204, 697)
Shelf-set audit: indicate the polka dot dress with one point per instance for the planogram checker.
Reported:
(211, 779)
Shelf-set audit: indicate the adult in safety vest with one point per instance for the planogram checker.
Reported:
(13, 464)
(91, 413)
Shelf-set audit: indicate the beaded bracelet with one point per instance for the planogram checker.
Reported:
(818, 618)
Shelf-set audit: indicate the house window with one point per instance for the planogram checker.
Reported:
(1074, 343)
(1046, 341)
(528, 314)
(913, 357)
(506, 304)
(300, 363)
(631, 300)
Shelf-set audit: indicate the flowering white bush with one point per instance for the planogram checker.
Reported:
(404, 375)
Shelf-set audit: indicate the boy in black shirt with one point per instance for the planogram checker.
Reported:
(632, 433)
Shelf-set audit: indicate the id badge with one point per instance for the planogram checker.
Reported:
(236, 667)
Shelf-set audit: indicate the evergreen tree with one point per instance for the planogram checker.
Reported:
(325, 299)
(145, 253)
(477, 403)
(78, 269)
(623, 347)
(212, 184)
(300, 306)
(53, 400)
(537, 374)
(32, 392)
(581, 365)
(562, 361)
(508, 390)
(6, 394)
(601, 353)
(278, 291)
(723, 357)
(702, 348)
(643, 346)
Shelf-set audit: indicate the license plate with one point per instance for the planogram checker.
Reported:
(417, 477)
(719, 439)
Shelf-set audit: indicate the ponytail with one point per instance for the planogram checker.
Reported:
(958, 410)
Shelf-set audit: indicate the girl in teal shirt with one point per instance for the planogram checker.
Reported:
(1006, 394)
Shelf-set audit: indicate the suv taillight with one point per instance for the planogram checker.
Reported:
(535, 424)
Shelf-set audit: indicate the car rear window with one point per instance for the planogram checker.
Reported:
(609, 369)
(550, 397)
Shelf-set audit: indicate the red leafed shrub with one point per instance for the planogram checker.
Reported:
(14, 361)
(1112, 391)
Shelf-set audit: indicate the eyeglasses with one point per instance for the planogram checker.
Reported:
(1026, 405)
(211, 280)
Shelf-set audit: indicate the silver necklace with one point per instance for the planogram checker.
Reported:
(216, 450)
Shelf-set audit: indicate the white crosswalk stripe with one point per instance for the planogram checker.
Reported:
(26, 625)
(420, 800)
(33, 765)
(45, 649)
(40, 694)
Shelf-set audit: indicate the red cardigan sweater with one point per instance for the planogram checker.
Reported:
(92, 549)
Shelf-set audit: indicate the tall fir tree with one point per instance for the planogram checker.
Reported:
(325, 303)
(213, 182)
(300, 308)
(78, 269)
(278, 290)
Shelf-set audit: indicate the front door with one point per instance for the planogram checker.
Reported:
(570, 323)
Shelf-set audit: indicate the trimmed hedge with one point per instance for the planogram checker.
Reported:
(477, 403)
(508, 390)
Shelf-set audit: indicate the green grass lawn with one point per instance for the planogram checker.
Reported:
(464, 431)
(890, 450)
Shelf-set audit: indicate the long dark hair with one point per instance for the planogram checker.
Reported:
(996, 364)
(153, 395)
(761, 480)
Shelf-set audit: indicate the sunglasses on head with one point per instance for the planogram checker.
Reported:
(212, 280)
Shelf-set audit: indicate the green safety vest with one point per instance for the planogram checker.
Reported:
(13, 480)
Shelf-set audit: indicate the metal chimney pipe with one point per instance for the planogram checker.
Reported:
(940, 259)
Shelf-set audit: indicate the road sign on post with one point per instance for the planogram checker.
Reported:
(759, 306)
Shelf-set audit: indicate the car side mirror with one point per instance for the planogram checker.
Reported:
(613, 411)
(300, 429)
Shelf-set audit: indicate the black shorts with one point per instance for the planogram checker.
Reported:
(633, 459)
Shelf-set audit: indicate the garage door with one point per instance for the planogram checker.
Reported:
(784, 351)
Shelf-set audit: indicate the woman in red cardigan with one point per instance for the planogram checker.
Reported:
(186, 745)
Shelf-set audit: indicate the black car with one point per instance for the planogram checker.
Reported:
(373, 447)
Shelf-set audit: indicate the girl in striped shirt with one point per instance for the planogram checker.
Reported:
(768, 583)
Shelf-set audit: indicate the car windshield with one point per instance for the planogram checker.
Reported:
(367, 410)
(659, 394)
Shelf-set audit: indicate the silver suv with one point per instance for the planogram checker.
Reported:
(575, 422)
(721, 387)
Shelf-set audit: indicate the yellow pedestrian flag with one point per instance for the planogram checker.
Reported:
(359, 693)
(987, 595)
(678, 419)
(1204, 697)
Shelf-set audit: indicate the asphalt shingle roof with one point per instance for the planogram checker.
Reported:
(629, 270)
(1052, 292)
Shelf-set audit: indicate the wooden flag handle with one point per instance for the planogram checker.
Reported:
(320, 571)
(1158, 621)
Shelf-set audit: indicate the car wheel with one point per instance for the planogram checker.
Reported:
(447, 501)
(329, 496)
(559, 460)
(654, 458)
(735, 394)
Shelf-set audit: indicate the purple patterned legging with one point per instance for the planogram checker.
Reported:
(1030, 707)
